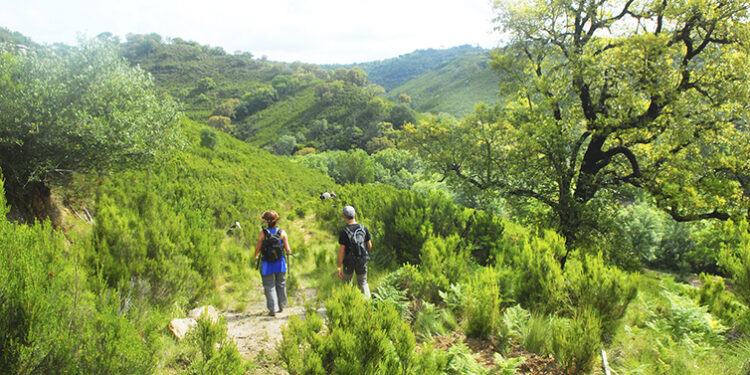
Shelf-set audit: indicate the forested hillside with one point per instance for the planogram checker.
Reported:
(284, 107)
(453, 88)
(449, 80)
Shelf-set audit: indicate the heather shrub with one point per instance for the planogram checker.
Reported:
(361, 338)
(482, 311)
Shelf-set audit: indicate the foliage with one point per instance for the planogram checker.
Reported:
(362, 338)
(482, 311)
(722, 303)
(735, 258)
(221, 123)
(606, 290)
(218, 352)
(667, 332)
(54, 317)
(601, 109)
(77, 110)
(432, 320)
(575, 342)
(209, 138)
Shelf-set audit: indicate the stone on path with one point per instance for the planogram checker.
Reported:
(180, 327)
(209, 310)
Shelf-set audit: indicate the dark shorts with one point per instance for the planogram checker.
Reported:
(350, 267)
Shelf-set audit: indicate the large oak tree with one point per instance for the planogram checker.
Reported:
(606, 98)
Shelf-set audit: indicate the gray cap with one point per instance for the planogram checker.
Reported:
(349, 212)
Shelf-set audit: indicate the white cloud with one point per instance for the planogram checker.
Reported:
(321, 31)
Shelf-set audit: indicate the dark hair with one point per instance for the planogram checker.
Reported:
(270, 217)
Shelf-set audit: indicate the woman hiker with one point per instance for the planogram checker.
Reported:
(274, 266)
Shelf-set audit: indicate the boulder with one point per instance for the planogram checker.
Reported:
(180, 327)
(209, 310)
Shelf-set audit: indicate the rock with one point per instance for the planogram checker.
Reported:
(180, 327)
(209, 310)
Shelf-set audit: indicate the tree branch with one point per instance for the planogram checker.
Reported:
(723, 216)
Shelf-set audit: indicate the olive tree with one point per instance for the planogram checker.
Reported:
(80, 109)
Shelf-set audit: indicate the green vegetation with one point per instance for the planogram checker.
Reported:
(394, 72)
(513, 239)
(454, 88)
(75, 110)
(589, 125)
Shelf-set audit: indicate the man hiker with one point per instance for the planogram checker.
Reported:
(272, 244)
(354, 243)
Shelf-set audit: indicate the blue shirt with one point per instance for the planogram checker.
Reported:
(277, 266)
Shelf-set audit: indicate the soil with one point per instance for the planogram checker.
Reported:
(258, 334)
(484, 351)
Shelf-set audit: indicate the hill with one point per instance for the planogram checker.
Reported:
(282, 107)
(449, 80)
(454, 88)
(396, 71)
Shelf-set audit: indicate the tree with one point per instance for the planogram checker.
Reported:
(284, 145)
(80, 110)
(220, 123)
(227, 108)
(610, 96)
(256, 100)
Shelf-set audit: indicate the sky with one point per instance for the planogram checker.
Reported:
(311, 31)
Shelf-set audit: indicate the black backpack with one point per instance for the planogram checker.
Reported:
(357, 243)
(272, 248)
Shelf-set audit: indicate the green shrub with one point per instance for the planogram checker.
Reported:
(721, 302)
(442, 262)
(685, 319)
(608, 290)
(455, 298)
(536, 334)
(735, 258)
(575, 342)
(50, 321)
(482, 312)
(539, 283)
(431, 321)
(386, 292)
(362, 338)
(461, 361)
(516, 321)
(218, 352)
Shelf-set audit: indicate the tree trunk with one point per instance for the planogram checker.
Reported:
(32, 202)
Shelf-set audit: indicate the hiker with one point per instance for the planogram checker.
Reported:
(272, 243)
(325, 196)
(354, 243)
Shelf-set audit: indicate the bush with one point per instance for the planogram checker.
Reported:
(218, 353)
(50, 321)
(722, 303)
(609, 291)
(575, 342)
(442, 262)
(482, 312)
(735, 258)
(362, 338)
(209, 138)
(433, 321)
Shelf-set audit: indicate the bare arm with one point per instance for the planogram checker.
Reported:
(286, 243)
(342, 250)
(260, 242)
(369, 245)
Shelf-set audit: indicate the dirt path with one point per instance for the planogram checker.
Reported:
(258, 335)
